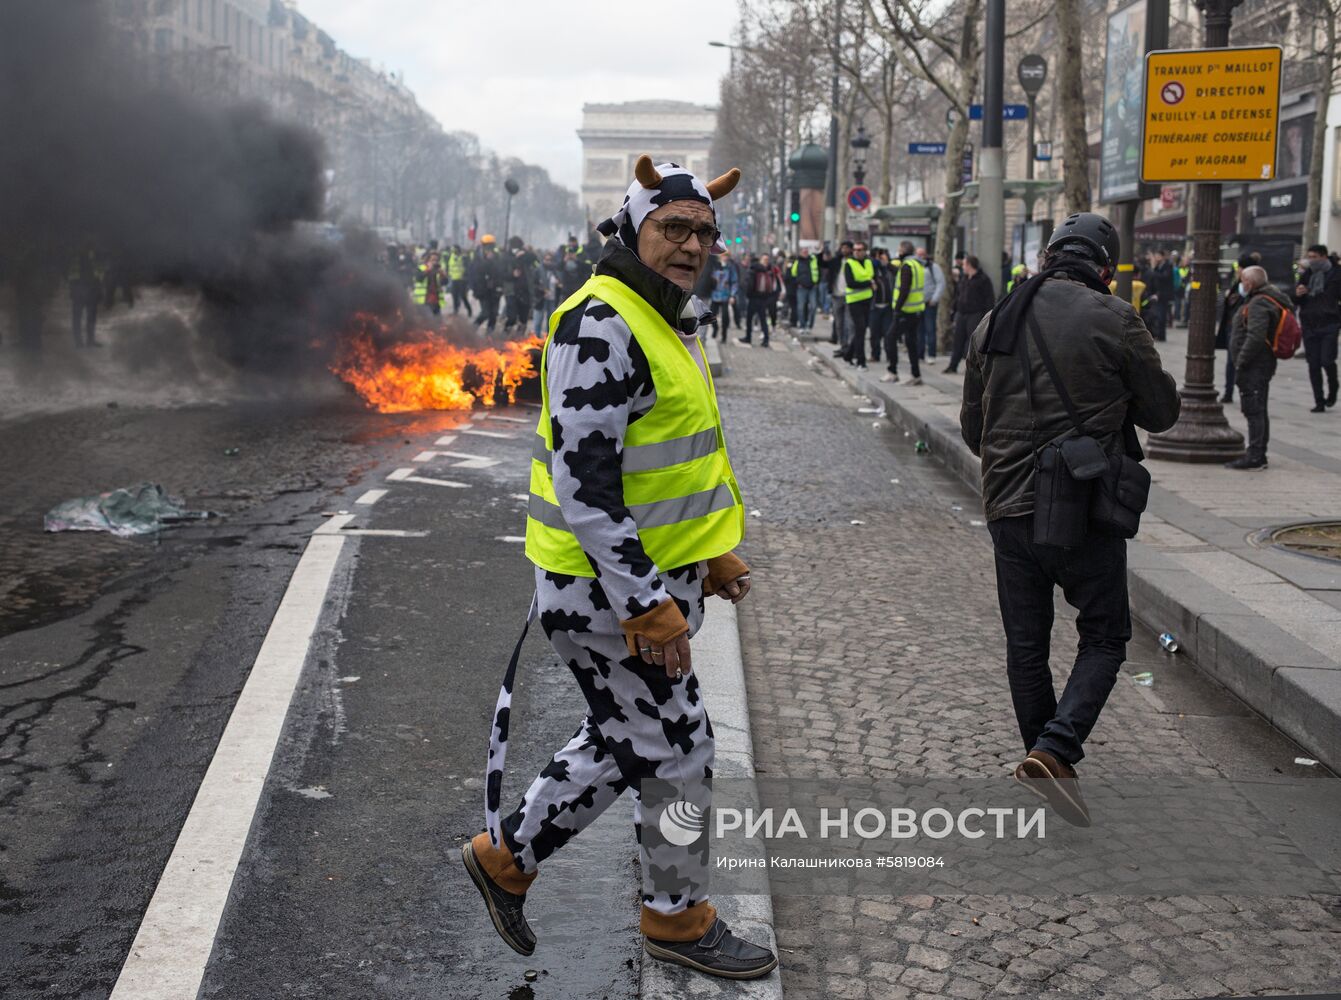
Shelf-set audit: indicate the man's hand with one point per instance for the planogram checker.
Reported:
(1301, 290)
(735, 590)
(674, 655)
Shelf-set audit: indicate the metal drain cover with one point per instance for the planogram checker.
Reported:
(1317, 539)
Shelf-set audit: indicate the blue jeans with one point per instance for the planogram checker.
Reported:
(1093, 578)
(824, 298)
(806, 299)
(929, 331)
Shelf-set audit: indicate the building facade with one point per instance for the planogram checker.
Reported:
(615, 135)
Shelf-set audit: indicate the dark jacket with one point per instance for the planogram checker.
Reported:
(1254, 360)
(882, 286)
(1320, 311)
(1112, 372)
(761, 282)
(974, 295)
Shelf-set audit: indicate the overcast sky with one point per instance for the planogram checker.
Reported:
(517, 72)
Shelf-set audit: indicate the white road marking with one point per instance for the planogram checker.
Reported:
(172, 947)
(399, 475)
(333, 524)
(384, 532)
(510, 420)
(434, 482)
(371, 497)
(466, 461)
(520, 496)
(446, 439)
(502, 435)
(519, 539)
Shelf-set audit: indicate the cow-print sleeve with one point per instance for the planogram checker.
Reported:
(599, 382)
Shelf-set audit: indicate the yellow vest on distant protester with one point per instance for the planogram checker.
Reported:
(859, 270)
(916, 301)
(677, 477)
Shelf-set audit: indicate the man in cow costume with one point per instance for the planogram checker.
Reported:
(633, 515)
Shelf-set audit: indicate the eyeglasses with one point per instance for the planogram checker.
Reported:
(679, 232)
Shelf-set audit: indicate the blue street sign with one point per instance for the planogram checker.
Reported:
(859, 198)
(1009, 112)
(926, 148)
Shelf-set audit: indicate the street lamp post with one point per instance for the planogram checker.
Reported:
(831, 187)
(860, 144)
(991, 174)
(511, 187)
(1202, 433)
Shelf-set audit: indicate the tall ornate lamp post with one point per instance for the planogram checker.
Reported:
(860, 143)
(1202, 433)
(511, 187)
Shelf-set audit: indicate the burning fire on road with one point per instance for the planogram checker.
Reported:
(427, 371)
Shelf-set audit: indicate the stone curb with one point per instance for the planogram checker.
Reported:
(721, 669)
(1284, 680)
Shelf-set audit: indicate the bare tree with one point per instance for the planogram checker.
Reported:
(1324, 14)
(1071, 98)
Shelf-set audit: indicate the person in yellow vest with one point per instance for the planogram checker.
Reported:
(1018, 275)
(456, 275)
(857, 296)
(633, 516)
(910, 283)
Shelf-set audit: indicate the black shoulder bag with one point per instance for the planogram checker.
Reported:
(1078, 487)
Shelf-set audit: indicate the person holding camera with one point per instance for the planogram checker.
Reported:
(1058, 377)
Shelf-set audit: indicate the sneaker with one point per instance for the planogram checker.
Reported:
(889, 377)
(839, 353)
(718, 953)
(743, 340)
(1247, 463)
(913, 381)
(861, 366)
(950, 371)
(505, 908)
(1228, 397)
(1320, 408)
(1056, 783)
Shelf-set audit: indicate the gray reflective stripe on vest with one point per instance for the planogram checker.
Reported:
(644, 457)
(647, 515)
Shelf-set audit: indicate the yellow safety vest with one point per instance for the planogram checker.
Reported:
(421, 285)
(814, 269)
(677, 477)
(916, 301)
(860, 270)
(456, 267)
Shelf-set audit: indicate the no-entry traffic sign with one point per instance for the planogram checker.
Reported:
(1211, 114)
(859, 198)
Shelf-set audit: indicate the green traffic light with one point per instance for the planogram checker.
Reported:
(796, 216)
(737, 239)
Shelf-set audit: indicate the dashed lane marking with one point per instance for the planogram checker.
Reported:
(408, 476)
(464, 460)
(509, 420)
(501, 435)
(446, 439)
(337, 526)
(172, 946)
(510, 538)
(371, 497)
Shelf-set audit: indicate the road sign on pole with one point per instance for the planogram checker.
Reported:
(859, 198)
(1009, 112)
(1211, 114)
(926, 148)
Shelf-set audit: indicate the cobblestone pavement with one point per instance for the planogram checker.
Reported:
(874, 650)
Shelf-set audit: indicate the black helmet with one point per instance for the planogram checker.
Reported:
(1095, 232)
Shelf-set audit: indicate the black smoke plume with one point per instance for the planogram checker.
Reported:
(170, 189)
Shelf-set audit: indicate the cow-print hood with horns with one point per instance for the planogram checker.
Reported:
(661, 185)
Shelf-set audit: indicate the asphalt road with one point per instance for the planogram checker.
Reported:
(120, 666)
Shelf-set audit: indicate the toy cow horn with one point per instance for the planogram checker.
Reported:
(646, 173)
(724, 185)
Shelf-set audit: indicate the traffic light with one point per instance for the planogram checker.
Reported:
(796, 217)
(737, 239)
(796, 207)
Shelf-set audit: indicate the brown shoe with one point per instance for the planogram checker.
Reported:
(1055, 782)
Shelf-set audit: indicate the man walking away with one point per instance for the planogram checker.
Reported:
(456, 275)
(934, 293)
(1255, 359)
(974, 300)
(1318, 294)
(1106, 359)
(909, 304)
(760, 291)
(806, 277)
(489, 280)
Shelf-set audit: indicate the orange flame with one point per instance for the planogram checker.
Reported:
(429, 372)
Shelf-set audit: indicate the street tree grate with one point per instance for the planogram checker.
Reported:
(1315, 539)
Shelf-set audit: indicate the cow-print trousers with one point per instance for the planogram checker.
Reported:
(639, 724)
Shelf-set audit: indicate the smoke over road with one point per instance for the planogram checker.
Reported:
(170, 189)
